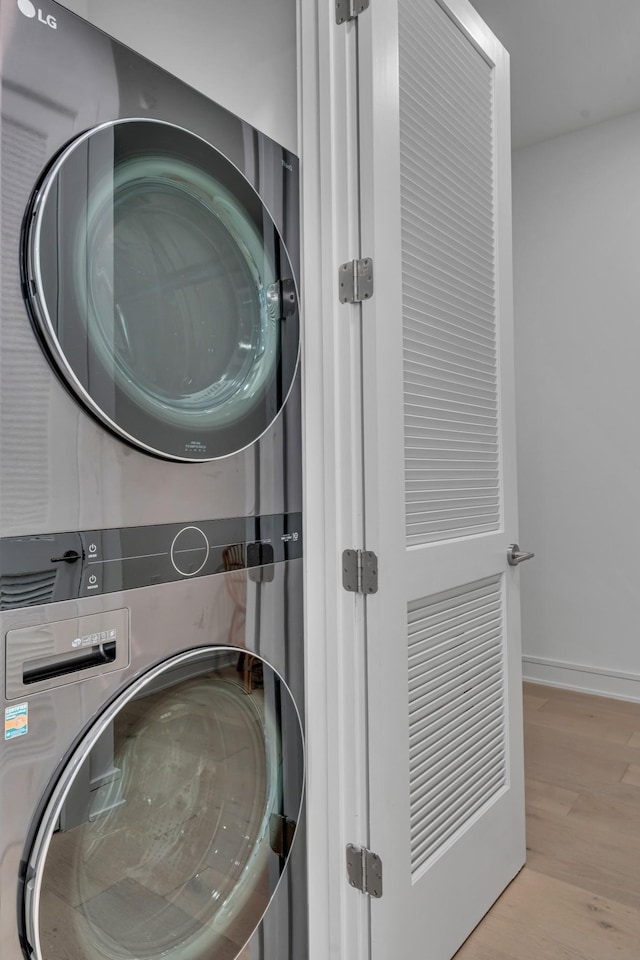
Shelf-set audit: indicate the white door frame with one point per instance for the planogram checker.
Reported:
(337, 779)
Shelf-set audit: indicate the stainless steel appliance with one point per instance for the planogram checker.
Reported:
(152, 764)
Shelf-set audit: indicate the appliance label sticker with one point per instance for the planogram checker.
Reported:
(16, 721)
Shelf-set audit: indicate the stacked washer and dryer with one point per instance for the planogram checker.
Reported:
(152, 763)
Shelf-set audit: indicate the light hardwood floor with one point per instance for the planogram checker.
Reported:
(578, 898)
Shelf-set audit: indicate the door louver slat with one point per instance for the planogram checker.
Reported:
(419, 393)
(450, 284)
(434, 532)
(454, 353)
(459, 148)
(466, 129)
(436, 488)
(451, 503)
(424, 369)
(447, 199)
(447, 419)
(424, 626)
(454, 651)
(457, 744)
(442, 516)
(440, 474)
(430, 223)
(418, 308)
(448, 258)
(469, 678)
(456, 90)
(443, 46)
(449, 768)
(459, 728)
(449, 278)
(447, 680)
(445, 202)
(460, 89)
(449, 755)
(448, 708)
(444, 433)
(468, 803)
(451, 345)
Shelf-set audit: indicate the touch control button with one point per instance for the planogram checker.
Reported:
(189, 551)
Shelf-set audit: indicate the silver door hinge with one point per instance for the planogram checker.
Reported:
(356, 280)
(360, 571)
(349, 9)
(364, 870)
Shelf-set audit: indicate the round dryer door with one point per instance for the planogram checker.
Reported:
(171, 824)
(162, 291)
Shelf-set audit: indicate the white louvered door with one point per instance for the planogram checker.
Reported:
(445, 736)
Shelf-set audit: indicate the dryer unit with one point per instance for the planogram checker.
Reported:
(150, 251)
(152, 764)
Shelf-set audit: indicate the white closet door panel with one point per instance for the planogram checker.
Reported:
(443, 632)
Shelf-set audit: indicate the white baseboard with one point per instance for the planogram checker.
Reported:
(575, 676)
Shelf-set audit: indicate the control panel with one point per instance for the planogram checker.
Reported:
(64, 566)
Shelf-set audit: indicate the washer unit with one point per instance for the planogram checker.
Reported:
(152, 764)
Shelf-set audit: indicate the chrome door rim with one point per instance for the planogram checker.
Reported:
(39, 848)
(37, 299)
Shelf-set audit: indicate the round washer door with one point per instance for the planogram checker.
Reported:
(161, 290)
(172, 822)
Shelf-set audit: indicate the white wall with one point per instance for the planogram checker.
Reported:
(577, 311)
(241, 53)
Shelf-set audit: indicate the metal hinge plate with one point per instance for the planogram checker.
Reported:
(349, 9)
(281, 299)
(356, 280)
(360, 571)
(364, 870)
(282, 831)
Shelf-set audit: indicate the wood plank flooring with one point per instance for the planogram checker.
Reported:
(578, 897)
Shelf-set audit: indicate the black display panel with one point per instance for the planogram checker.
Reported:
(65, 566)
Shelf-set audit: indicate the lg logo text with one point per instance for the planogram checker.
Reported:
(29, 10)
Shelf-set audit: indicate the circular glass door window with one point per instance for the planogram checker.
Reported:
(172, 823)
(161, 290)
